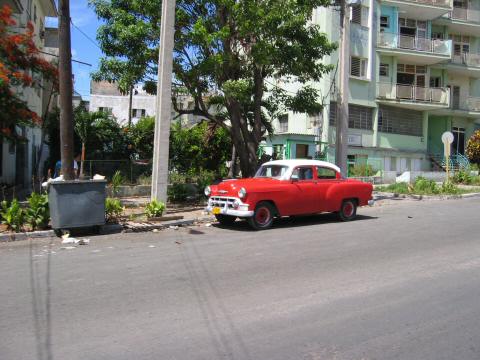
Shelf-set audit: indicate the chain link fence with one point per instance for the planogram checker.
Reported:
(134, 172)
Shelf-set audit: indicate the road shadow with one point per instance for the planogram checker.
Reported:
(294, 221)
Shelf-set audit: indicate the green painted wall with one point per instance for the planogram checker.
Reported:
(437, 125)
(401, 142)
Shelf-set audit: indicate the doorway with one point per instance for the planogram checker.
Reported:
(458, 145)
(301, 151)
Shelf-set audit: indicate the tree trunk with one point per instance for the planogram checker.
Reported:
(82, 160)
(231, 171)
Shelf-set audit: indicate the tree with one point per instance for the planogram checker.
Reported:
(227, 55)
(20, 65)
(473, 147)
(84, 127)
(201, 147)
(141, 135)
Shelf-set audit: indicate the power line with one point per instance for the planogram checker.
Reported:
(55, 55)
(83, 33)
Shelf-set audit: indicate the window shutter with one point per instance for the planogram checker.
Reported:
(357, 14)
(355, 67)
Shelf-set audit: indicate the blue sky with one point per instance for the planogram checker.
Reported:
(83, 49)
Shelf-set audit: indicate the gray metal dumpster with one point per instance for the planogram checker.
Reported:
(78, 203)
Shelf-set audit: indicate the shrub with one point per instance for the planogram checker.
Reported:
(449, 188)
(38, 213)
(154, 208)
(144, 180)
(177, 192)
(398, 188)
(462, 177)
(117, 180)
(12, 215)
(113, 209)
(362, 170)
(473, 147)
(205, 178)
(425, 186)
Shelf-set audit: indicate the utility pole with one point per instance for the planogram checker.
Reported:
(341, 149)
(164, 103)
(130, 100)
(66, 89)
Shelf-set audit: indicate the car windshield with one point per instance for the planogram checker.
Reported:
(271, 171)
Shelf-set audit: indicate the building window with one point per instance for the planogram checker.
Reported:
(436, 81)
(360, 15)
(106, 110)
(384, 22)
(138, 113)
(358, 67)
(400, 121)
(283, 123)
(359, 117)
(314, 121)
(384, 70)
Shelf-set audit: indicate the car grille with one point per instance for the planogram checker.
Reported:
(220, 201)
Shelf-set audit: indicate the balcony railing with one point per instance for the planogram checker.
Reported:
(440, 3)
(407, 42)
(467, 15)
(388, 91)
(468, 59)
(469, 104)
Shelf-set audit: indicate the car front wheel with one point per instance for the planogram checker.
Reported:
(262, 218)
(225, 219)
(348, 211)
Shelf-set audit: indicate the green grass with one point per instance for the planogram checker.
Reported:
(424, 186)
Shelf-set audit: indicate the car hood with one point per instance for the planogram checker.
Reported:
(231, 187)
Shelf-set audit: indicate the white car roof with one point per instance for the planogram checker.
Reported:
(300, 162)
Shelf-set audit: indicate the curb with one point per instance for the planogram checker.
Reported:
(388, 196)
(26, 235)
(142, 227)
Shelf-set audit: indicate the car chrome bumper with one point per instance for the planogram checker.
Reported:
(225, 204)
(371, 202)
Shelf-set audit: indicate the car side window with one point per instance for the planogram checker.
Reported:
(326, 173)
(303, 173)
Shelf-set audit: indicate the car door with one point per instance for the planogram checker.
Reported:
(326, 178)
(303, 195)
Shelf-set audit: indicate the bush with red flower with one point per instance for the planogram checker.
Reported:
(20, 63)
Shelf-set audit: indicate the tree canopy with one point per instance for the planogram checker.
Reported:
(227, 56)
(20, 64)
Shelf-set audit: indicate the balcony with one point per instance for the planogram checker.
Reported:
(467, 64)
(413, 97)
(412, 49)
(462, 21)
(421, 9)
(470, 104)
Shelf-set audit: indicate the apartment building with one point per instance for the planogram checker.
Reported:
(18, 161)
(105, 96)
(414, 73)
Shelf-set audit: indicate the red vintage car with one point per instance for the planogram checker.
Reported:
(286, 188)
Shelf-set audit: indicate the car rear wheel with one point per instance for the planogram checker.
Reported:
(225, 219)
(262, 218)
(348, 211)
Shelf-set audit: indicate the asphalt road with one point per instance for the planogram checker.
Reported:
(402, 282)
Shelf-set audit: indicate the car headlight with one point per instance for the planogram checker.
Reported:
(207, 191)
(242, 193)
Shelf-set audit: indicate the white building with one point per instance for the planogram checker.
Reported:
(105, 96)
(18, 161)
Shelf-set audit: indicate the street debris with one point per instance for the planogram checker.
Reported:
(208, 224)
(68, 248)
(173, 227)
(155, 230)
(178, 242)
(151, 246)
(72, 240)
